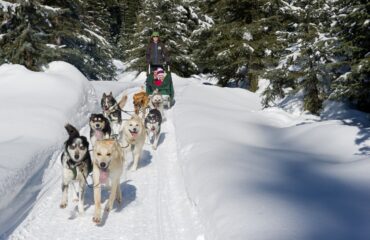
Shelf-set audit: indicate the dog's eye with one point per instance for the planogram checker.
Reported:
(82, 147)
(108, 154)
(99, 154)
(130, 124)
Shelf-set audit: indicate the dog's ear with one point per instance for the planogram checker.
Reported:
(84, 139)
(72, 131)
(111, 94)
(104, 95)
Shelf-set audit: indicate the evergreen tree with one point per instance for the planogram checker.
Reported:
(306, 54)
(351, 71)
(175, 21)
(129, 11)
(34, 34)
(235, 48)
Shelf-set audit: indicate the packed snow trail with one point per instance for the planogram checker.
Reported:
(155, 204)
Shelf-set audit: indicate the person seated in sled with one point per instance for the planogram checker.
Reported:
(156, 53)
(159, 76)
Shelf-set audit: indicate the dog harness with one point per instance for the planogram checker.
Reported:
(73, 167)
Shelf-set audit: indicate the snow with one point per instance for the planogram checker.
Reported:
(224, 54)
(35, 107)
(290, 8)
(5, 5)
(248, 47)
(54, 9)
(266, 174)
(224, 169)
(181, 10)
(268, 52)
(83, 37)
(55, 46)
(247, 36)
(102, 39)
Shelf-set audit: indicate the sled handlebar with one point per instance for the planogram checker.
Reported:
(168, 68)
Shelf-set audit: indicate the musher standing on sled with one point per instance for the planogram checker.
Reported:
(156, 53)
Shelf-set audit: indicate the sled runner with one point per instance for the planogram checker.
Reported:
(165, 87)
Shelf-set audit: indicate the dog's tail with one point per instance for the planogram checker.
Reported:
(71, 130)
(122, 102)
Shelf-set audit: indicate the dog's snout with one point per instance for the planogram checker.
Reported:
(77, 156)
(97, 125)
(103, 165)
(134, 129)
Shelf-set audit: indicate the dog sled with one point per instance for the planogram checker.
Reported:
(165, 87)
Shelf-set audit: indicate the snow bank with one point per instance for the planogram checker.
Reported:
(268, 174)
(34, 109)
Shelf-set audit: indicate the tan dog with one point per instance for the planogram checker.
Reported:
(141, 101)
(134, 134)
(108, 161)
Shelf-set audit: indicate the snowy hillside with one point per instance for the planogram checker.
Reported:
(224, 168)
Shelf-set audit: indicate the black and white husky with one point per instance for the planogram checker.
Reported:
(77, 165)
(112, 111)
(152, 124)
(156, 102)
(99, 128)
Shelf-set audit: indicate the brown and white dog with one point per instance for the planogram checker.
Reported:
(134, 134)
(108, 162)
(141, 101)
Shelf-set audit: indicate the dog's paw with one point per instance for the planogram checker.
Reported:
(154, 147)
(96, 219)
(63, 205)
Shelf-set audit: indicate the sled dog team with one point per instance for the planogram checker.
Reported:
(110, 138)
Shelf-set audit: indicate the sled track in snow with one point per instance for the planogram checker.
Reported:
(155, 204)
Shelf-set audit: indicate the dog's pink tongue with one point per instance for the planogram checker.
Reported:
(99, 135)
(103, 177)
(134, 134)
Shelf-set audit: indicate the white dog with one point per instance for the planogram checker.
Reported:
(108, 162)
(134, 134)
(156, 102)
